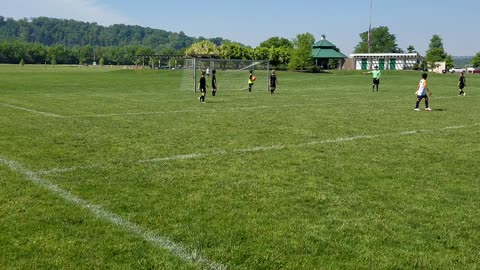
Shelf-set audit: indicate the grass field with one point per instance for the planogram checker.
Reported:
(118, 169)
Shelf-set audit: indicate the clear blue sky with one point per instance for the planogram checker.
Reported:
(414, 22)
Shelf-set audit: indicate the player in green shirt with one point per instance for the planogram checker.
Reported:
(376, 78)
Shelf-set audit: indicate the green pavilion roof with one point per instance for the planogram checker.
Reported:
(326, 49)
(327, 53)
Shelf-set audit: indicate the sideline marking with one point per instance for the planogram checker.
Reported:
(99, 212)
(32, 111)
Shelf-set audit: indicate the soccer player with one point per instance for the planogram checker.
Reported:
(273, 82)
(214, 82)
(202, 86)
(251, 82)
(208, 72)
(376, 78)
(462, 82)
(422, 92)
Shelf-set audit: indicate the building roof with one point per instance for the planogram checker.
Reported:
(327, 53)
(326, 49)
(325, 44)
(367, 55)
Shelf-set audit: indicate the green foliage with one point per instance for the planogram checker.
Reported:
(436, 42)
(381, 41)
(476, 60)
(71, 34)
(435, 53)
(301, 58)
(205, 47)
(277, 42)
(102, 62)
(411, 49)
(449, 63)
(22, 63)
(233, 50)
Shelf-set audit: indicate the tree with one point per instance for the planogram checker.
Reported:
(435, 53)
(436, 42)
(205, 47)
(277, 42)
(449, 63)
(381, 41)
(302, 52)
(234, 50)
(476, 60)
(411, 49)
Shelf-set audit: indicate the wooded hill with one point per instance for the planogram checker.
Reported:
(74, 34)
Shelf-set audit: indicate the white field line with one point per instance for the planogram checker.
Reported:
(99, 212)
(258, 148)
(32, 111)
(64, 170)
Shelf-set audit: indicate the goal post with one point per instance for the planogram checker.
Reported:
(232, 74)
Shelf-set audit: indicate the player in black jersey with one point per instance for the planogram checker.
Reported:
(214, 82)
(273, 82)
(202, 86)
(462, 82)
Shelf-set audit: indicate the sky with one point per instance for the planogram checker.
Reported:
(413, 22)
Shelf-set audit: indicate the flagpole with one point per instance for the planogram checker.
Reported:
(370, 26)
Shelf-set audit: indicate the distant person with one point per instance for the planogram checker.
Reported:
(214, 82)
(251, 81)
(273, 82)
(376, 74)
(422, 93)
(208, 72)
(202, 86)
(462, 82)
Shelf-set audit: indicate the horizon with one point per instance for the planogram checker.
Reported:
(341, 26)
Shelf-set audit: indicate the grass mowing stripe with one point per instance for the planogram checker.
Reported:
(99, 212)
(32, 111)
(257, 149)
(234, 109)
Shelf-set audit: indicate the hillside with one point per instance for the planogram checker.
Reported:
(71, 34)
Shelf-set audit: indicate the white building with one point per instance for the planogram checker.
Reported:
(385, 61)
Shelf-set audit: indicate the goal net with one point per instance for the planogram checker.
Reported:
(232, 75)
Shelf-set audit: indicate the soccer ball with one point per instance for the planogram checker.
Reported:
(254, 78)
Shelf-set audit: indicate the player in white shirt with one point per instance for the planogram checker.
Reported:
(422, 93)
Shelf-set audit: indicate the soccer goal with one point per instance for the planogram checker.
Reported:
(232, 75)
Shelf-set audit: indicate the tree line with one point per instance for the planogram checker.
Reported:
(59, 41)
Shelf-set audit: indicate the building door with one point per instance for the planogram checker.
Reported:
(381, 64)
(393, 64)
(364, 64)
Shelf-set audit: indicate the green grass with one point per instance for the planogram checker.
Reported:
(324, 174)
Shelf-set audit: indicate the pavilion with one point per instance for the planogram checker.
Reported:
(323, 51)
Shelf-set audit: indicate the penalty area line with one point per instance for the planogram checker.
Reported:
(260, 148)
(31, 110)
(99, 212)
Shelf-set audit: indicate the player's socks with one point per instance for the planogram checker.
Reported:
(426, 103)
(417, 104)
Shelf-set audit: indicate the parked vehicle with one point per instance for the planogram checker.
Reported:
(476, 71)
(456, 69)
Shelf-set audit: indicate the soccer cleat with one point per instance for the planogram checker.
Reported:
(417, 109)
(428, 109)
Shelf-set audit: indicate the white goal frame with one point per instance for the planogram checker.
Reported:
(228, 78)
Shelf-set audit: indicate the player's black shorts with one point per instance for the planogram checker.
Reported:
(461, 86)
(203, 90)
(376, 81)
